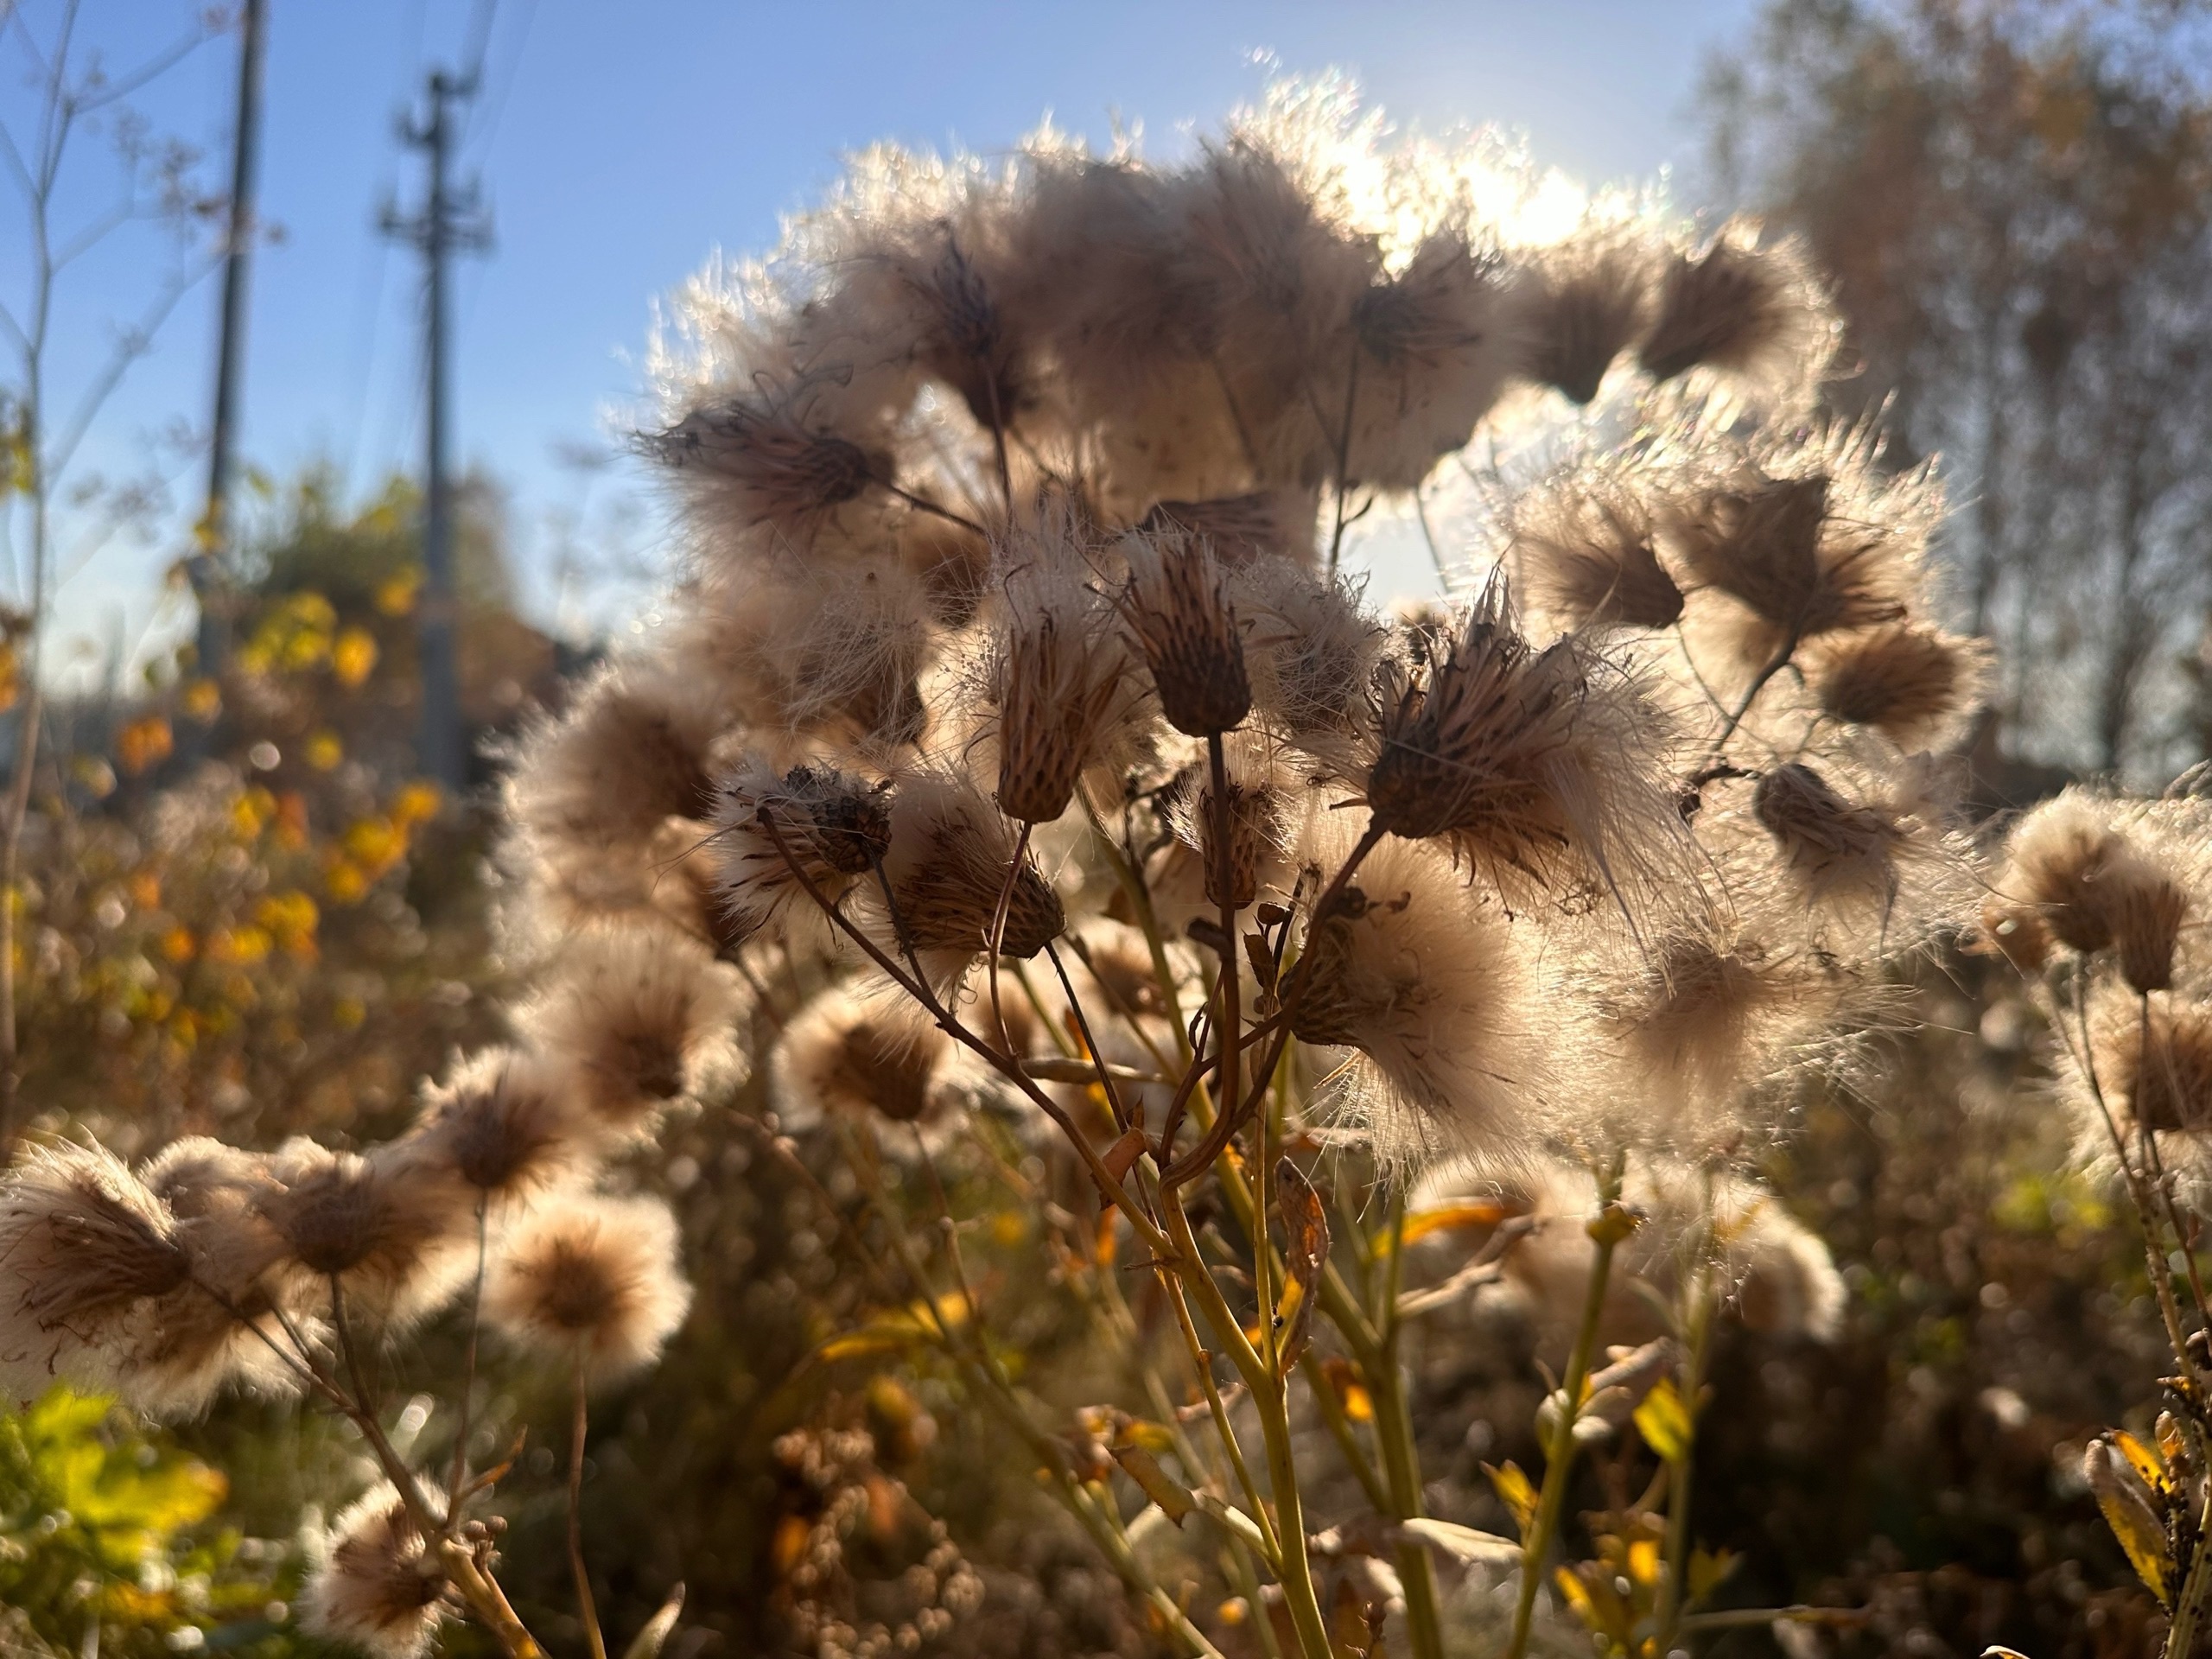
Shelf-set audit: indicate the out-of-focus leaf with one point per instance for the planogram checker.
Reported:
(1663, 1422)
(1462, 1543)
(895, 1331)
(1514, 1491)
(1450, 1217)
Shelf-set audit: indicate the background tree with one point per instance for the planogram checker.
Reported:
(2015, 199)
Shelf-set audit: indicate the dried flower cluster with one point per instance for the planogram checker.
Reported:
(1015, 748)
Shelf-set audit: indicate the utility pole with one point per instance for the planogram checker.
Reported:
(209, 564)
(451, 222)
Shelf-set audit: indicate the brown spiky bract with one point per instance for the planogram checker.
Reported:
(1178, 613)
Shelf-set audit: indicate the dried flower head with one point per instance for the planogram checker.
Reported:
(1775, 548)
(771, 828)
(220, 1329)
(591, 1279)
(1262, 524)
(1833, 846)
(86, 1247)
(1908, 681)
(1578, 305)
(2147, 927)
(861, 1057)
(633, 750)
(1409, 970)
(2067, 860)
(1434, 353)
(377, 1585)
(2018, 933)
(1531, 764)
(1311, 651)
(638, 1017)
(769, 457)
(2155, 1059)
(951, 862)
(503, 1124)
(1752, 312)
(1585, 542)
(1184, 626)
(1058, 687)
(388, 1238)
(1258, 801)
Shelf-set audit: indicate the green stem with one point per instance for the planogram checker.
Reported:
(1537, 1542)
(1672, 1587)
(1394, 1426)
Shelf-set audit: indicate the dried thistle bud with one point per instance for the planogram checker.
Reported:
(951, 859)
(834, 828)
(1746, 310)
(377, 1586)
(2146, 925)
(371, 1225)
(591, 1279)
(768, 459)
(1829, 843)
(637, 1018)
(504, 1125)
(1057, 685)
(1186, 630)
(1586, 544)
(1904, 680)
(1526, 761)
(1266, 523)
(83, 1246)
(1240, 823)
(1581, 305)
(2157, 1062)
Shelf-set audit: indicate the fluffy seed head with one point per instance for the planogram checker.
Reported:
(1311, 649)
(1265, 524)
(388, 1237)
(858, 1057)
(2067, 860)
(1578, 306)
(1586, 544)
(503, 1125)
(1905, 680)
(767, 458)
(1186, 630)
(630, 752)
(1526, 761)
(2159, 1062)
(833, 826)
(1433, 355)
(2018, 933)
(2146, 925)
(1057, 684)
(1749, 311)
(377, 1586)
(591, 1279)
(1407, 969)
(638, 1017)
(84, 1245)
(950, 858)
(1831, 845)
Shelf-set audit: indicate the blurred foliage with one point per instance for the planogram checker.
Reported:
(104, 1526)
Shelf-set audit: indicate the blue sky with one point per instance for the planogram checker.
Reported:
(619, 144)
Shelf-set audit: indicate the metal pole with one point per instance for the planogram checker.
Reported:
(210, 562)
(442, 756)
(449, 223)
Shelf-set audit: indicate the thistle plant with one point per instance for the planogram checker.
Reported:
(1019, 789)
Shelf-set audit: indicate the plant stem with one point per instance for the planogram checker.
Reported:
(1675, 1565)
(578, 1425)
(1394, 1428)
(1536, 1542)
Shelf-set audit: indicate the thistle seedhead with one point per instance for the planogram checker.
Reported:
(2156, 1059)
(1178, 613)
(769, 458)
(1905, 680)
(591, 1279)
(834, 827)
(1586, 544)
(377, 1586)
(1736, 306)
(951, 858)
(504, 1124)
(1578, 306)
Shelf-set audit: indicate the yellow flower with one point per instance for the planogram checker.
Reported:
(353, 657)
